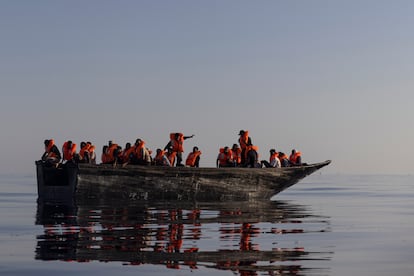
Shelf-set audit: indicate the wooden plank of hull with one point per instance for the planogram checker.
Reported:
(182, 183)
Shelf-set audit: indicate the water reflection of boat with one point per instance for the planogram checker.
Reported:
(175, 234)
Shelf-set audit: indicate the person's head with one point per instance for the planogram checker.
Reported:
(241, 132)
(104, 148)
(272, 151)
(293, 151)
(235, 146)
(70, 144)
(195, 149)
(138, 141)
(46, 142)
(110, 142)
(127, 145)
(159, 151)
(226, 149)
(82, 144)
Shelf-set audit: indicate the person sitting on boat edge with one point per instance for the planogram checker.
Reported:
(295, 158)
(84, 155)
(236, 154)
(171, 155)
(244, 141)
(92, 153)
(69, 151)
(225, 158)
(141, 155)
(51, 156)
(193, 158)
(161, 159)
(284, 160)
(274, 161)
(110, 153)
(252, 156)
(177, 144)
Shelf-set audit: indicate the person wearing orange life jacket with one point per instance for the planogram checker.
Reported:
(244, 141)
(126, 153)
(111, 154)
(274, 161)
(69, 151)
(171, 155)
(141, 155)
(236, 151)
(161, 159)
(252, 156)
(83, 156)
(92, 153)
(193, 158)
(51, 156)
(177, 144)
(225, 158)
(295, 159)
(284, 160)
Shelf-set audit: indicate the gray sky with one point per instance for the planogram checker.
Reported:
(332, 79)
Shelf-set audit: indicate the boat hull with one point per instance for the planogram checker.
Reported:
(104, 182)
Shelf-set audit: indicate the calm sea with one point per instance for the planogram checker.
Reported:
(324, 225)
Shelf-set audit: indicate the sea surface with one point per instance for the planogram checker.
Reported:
(324, 225)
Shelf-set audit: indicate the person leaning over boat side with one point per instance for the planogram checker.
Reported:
(161, 159)
(274, 161)
(177, 144)
(284, 160)
(244, 141)
(295, 158)
(51, 156)
(141, 155)
(236, 154)
(225, 158)
(252, 156)
(69, 151)
(193, 158)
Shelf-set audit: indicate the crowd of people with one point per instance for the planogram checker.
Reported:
(243, 154)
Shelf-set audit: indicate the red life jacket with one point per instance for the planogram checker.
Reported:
(294, 157)
(177, 143)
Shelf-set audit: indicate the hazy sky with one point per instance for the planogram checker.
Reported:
(333, 79)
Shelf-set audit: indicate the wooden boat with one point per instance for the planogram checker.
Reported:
(96, 182)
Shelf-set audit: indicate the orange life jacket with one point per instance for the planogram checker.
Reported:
(225, 158)
(48, 149)
(139, 150)
(294, 157)
(236, 155)
(249, 148)
(171, 157)
(126, 153)
(110, 153)
(68, 153)
(177, 144)
(83, 150)
(273, 157)
(244, 139)
(159, 158)
(191, 158)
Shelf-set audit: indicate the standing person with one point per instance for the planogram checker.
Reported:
(51, 156)
(244, 141)
(177, 144)
(69, 150)
(193, 158)
(274, 161)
